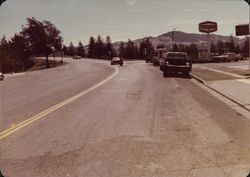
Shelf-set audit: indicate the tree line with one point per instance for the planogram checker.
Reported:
(131, 51)
(100, 49)
(216, 48)
(96, 48)
(41, 38)
(37, 38)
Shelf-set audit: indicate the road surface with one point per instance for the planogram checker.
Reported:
(135, 124)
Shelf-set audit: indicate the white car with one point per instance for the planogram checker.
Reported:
(116, 60)
(226, 57)
(77, 57)
(1, 76)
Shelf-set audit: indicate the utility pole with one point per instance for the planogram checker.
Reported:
(173, 39)
(248, 2)
(208, 47)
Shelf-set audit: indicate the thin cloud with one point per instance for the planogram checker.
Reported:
(131, 2)
(138, 10)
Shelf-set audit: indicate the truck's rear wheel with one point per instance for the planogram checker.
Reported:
(165, 73)
(186, 74)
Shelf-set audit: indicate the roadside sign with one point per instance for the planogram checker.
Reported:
(208, 27)
(242, 30)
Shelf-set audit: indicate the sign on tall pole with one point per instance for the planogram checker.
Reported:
(242, 30)
(248, 2)
(208, 27)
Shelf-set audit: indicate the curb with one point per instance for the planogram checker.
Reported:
(221, 93)
(198, 79)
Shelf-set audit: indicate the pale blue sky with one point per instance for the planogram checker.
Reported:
(123, 19)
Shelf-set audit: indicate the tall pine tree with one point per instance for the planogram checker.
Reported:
(71, 49)
(99, 47)
(122, 50)
(80, 50)
(91, 47)
(109, 51)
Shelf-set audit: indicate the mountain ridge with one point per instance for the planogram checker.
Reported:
(181, 37)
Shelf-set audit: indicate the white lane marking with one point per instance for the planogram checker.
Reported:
(28, 121)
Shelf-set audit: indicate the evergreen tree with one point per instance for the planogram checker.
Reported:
(71, 49)
(80, 50)
(146, 49)
(149, 47)
(3, 41)
(19, 47)
(109, 51)
(129, 50)
(122, 50)
(91, 47)
(65, 50)
(99, 47)
(135, 52)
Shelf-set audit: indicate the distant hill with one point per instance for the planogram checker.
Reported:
(183, 38)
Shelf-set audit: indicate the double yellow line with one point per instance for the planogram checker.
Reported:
(42, 114)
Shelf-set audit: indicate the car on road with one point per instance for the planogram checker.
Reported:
(240, 56)
(156, 61)
(226, 57)
(77, 57)
(116, 60)
(176, 62)
(149, 59)
(1, 76)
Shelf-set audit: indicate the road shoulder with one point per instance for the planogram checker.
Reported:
(232, 87)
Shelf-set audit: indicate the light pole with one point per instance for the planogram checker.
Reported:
(173, 39)
(248, 1)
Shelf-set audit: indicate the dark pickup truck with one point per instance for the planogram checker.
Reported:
(176, 62)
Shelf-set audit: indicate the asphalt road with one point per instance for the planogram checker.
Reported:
(136, 124)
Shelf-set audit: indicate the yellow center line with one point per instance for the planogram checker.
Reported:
(41, 115)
